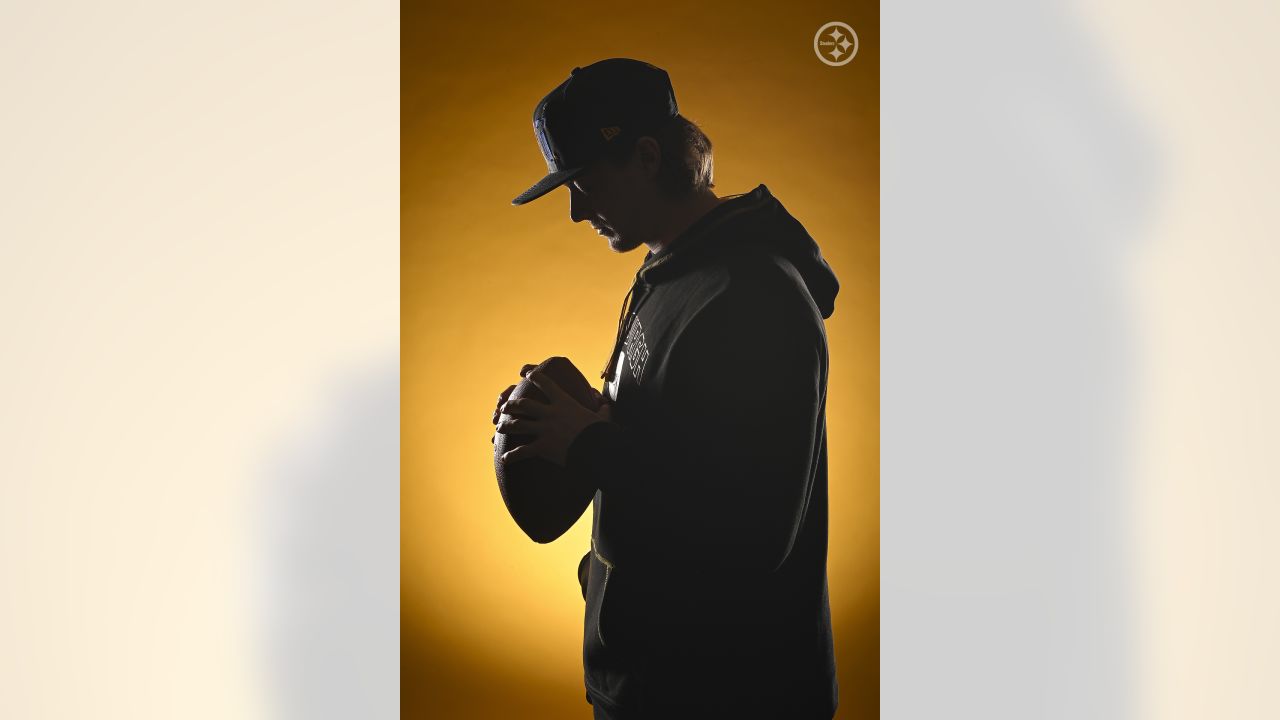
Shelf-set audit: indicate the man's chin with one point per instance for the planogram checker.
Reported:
(621, 245)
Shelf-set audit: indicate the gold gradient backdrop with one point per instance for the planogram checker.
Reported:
(492, 622)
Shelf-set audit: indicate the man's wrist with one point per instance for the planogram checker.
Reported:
(587, 454)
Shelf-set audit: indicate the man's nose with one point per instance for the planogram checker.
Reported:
(578, 206)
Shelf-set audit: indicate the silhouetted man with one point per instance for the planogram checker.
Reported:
(705, 587)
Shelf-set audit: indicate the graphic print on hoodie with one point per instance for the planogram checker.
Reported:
(706, 587)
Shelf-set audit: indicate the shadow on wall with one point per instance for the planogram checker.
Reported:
(1010, 174)
(330, 591)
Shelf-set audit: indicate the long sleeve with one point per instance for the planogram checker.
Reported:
(720, 479)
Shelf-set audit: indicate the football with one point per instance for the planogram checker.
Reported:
(542, 500)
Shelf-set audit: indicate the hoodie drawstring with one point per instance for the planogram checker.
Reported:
(630, 306)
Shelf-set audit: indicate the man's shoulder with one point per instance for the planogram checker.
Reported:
(761, 280)
(750, 299)
(740, 269)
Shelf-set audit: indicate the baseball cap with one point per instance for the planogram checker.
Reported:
(602, 104)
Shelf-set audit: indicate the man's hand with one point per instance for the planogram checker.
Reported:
(502, 398)
(554, 424)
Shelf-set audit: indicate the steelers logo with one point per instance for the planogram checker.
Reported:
(835, 44)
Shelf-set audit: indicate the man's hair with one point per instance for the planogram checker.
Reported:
(687, 165)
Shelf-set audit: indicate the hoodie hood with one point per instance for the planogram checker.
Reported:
(741, 221)
(751, 218)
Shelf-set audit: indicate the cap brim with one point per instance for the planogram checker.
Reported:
(546, 185)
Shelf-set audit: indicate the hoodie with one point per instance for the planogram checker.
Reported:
(705, 585)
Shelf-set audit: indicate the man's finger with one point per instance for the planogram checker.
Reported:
(523, 452)
(549, 387)
(527, 407)
(518, 426)
(502, 397)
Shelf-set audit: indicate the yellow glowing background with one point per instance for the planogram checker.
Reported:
(492, 622)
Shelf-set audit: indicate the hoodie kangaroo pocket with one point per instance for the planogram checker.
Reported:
(598, 597)
(608, 571)
(621, 613)
(612, 665)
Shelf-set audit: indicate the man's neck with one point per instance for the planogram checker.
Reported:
(683, 216)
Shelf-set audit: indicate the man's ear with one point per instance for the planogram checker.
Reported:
(649, 153)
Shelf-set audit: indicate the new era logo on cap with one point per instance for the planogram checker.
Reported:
(610, 132)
